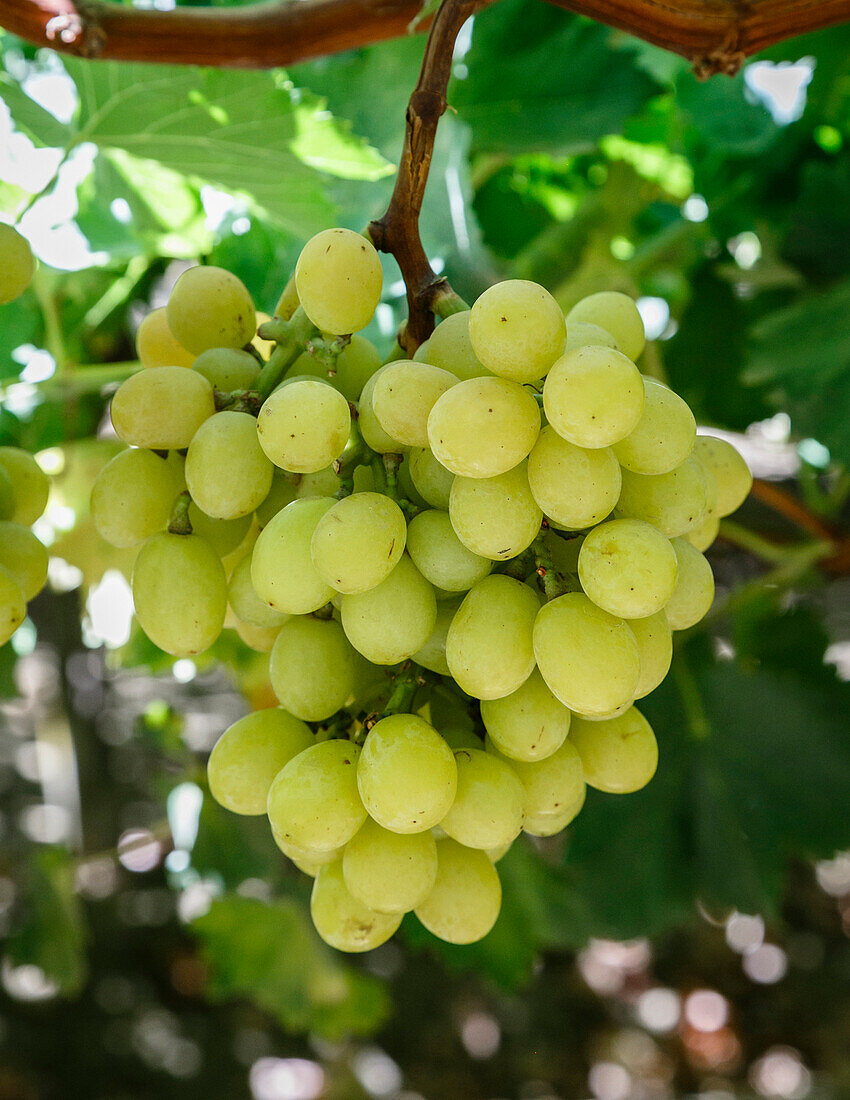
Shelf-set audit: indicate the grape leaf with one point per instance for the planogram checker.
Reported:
(31, 118)
(720, 114)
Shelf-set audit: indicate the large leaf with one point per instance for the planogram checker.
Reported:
(721, 115)
(31, 118)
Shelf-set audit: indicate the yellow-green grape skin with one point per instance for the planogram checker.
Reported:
(432, 655)
(704, 534)
(655, 648)
(694, 592)
(489, 806)
(30, 484)
(312, 668)
(551, 824)
(341, 920)
(495, 854)
(440, 556)
(211, 308)
(390, 622)
(467, 895)
(339, 279)
(259, 638)
(133, 495)
(627, 567)
(552, 785)
(663, 437)
(390, 872)
(7, 496)
(451, 348)
(288, 302)
(223, 535)
(593, 396)
(421, 353)
(529, 724)
(574, 486)
(430, 478)
(615, 313)
(620, 755)
(227, 369)
(358, 542)
(406, 488)
(355, 365)
(308, 860)
(373, 434)
(320, 483)
(13, 606)
(459, 737)
(156, 344)
(313, 800)
(282, 569)
(180, 593)
(588, 658)
(161, 408)
(250, 753)
(483, 427)
(489, 643)
(403, 396)
(517, 330)
(17, 264)
(406, 774)
(303, 427)
(24, 557)
(281, 493)
(731, 472)
(585, 335)
(496, 517)
(674, 502)
(246, 604)
(227, 473)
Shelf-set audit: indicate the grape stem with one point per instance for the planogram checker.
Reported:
(179, 523)
(291, 337)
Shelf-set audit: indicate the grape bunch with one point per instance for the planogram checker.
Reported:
(465, 567)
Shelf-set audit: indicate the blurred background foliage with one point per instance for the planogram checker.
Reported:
(691, 939)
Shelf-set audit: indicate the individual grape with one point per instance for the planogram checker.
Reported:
(529, 724)
(303, 427)
(355, 365)
(574, 486)
(432, 655)
(313, 800)
(211, 308)
(430, 478)
(259, 638)
(451, 348)
(373, 434)
(282, 569)
(320, 483)
(588, 658)
(593, 396)
(585, 335)
(288, 302)
(29, 483)
(402, 398)
(227, 473)
(223, 535)
(421, 353)
(517, 330)
(489, 806)
(615, 313)
(405, 483)
(13, 606)
(339, 279)
(674, 502)
(551, 824)
(180, 593)
(467, 895)
(496, 517)
(731, 472)
(228, 369)
(663, 437)
(24, 557)
(17, 264)
(133, 495)
(312, 668)
(161, 408)
(619, 755)
(483, 427)
(246, 604)
(281, 493)
(341, 920)
(704, 534)
(390, 622)
(655, 648)
(489, 644)
(440, 556)
(694, 592)
(552, 785)
(7, 496)
(358, 542)
(627, 567)
(460, 737)
(390, 872)
(250, 753)
(156, 344)
(407, 774)
(308, 860)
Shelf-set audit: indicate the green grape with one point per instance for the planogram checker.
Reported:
(282, 569)
(588, 658)
(358, 542)
(483, 427)
(228, 369)
(390, 622)
(574, 486)
(489, 806)
(694, 592)
(663, 437)
(24, 557)
(211, 308)
(461, 737)
(495, 854)
(133, 495)
(517, 330)
(496, 517)
(405, 484)
(407, 774)
(339, 278)
(553, 785)
(467, 895)
(421, 353)
(627, 567)
(529, 724)
(246, 604)
(655, 649)
(389, 872)
(303, 427)
(313, 800)
(731, 472)
(593, 396)
(615, 313)
(308, 860)
(227, 473)
(282, 492)
(259, 638)
(675, 502)
(619, 755)
(451, 348)
(373, 434)
(17, 264)
(440, 556)
(363, 480)
(550, 824)
(248, 756)
(312, 668)
(432, 655)
(320, 483)
(402, 398)
(161, 408)
(30, 484)
(13, 606)
(431, 479)
(489, 644)
(156, 345)
(223, 535)
(341, 920)
(7, 495)
(180, 593)
(585, 335)
(704, 534)
(355, 365)
(288, 302)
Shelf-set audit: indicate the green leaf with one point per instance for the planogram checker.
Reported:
(31, 119)
(720, 114)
